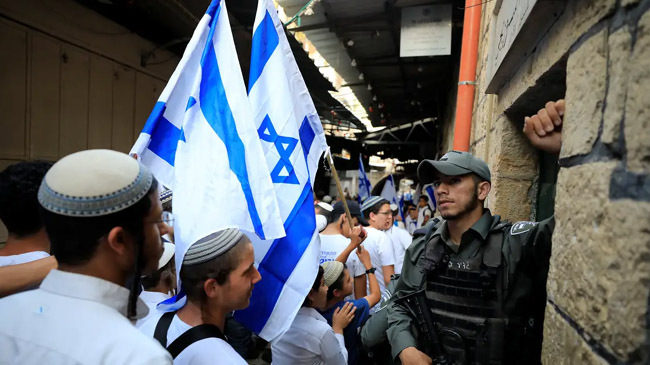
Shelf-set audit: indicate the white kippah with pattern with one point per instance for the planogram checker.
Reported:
(211, 246)
(371, 202)
(331, 271)
(94, 183)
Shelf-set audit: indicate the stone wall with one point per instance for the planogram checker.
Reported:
(596, 55)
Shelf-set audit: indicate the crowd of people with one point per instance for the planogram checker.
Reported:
(90, 257)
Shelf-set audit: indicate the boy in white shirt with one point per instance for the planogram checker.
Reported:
(376, 211)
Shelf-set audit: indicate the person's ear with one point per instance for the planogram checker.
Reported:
(483, 190)
(119, 241)
(211, 288)
(336, 292)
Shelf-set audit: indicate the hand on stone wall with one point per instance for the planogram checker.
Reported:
(544, 130)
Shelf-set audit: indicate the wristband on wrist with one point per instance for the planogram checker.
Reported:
(371, 270)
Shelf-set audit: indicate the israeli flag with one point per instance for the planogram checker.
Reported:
(200, 140)
(428, 191)
(364, 183)
(292, 137)
(388, 192)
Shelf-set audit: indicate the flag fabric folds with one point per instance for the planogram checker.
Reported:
(428, 191)
(388, 192)
(293, 141)
(364, 183)
(200, 140)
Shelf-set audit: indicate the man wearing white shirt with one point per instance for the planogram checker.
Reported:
(376, 211)
(335, 239)
(217, 275)
(103, 219)
(27, 241)
(411, 219)
(424, 212)
(401, 240)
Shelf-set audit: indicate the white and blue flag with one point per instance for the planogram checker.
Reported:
(388, 192)
(200, 140)
(292, 137)
(364, 183)
(429, 192)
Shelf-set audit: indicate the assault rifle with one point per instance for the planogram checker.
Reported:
(416, 305)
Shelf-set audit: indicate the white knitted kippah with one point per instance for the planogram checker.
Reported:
(94, 183)
(331, 271)
(212, 245)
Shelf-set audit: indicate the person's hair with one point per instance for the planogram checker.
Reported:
(315, 286)
(335, 217)
(375, 208)
(74, 240)
(19, 207)
(425, 198)
(166, 275)
(337, 284)
(219, 268)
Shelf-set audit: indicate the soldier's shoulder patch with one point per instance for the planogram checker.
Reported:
(521, 227)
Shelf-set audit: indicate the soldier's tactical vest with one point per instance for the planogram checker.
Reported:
(466, 299)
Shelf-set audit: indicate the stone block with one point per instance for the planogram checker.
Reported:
(620, 43)
(511, 198)
(563, 345)
(637, 107)
(578, 17)
(628, 2)
(600, 260)
(511, 155)
(481, 118)
(586, 84)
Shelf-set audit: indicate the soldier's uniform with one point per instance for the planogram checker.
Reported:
(487, 295)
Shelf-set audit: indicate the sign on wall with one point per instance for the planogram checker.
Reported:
(517, 28)
(426, 31)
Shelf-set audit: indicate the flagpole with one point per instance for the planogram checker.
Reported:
(330, 160)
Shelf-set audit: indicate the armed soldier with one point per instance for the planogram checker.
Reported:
(484, 279)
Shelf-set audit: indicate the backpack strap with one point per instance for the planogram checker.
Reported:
(194, 334)
(160, 333)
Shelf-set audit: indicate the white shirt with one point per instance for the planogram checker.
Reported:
(74, 319)
(401, 240)
(151, 299)
(411, 224)
(22, 258)
(210, 350)
(380, 248)
(309, 341)
(422, 212)
(331, 246)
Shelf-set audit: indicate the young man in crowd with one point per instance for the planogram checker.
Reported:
(424, 211)
(339, 282)
(102, 215)
(160, 285)
(217, 275)
(27, 241)
(337, 240)
(400, 240)
(376, 211)
(411, 219)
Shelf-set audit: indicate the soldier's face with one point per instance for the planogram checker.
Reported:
(456, 195)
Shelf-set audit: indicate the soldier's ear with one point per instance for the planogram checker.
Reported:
(483, 190)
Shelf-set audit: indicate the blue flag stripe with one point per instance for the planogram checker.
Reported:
(216, 111)
(164, 134)
(430, 192)
(279, 263)
(265, 41)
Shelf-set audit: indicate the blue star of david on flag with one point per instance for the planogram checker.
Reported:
(285, 146)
